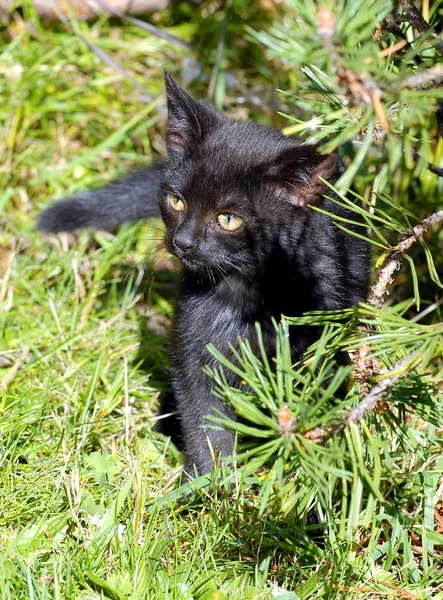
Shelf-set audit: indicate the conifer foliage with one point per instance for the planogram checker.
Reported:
(364, 78)
(336, 489)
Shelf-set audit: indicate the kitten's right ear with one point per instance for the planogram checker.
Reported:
(189, 120)
(295, 174)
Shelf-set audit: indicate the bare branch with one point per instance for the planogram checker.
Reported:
(366, 368)
(391, 26)
(115, 10)
(393, 261)
(376, 394)
(86, 9)
(391, 264)
(419, 230)
(4, 384)
(434, 74)
(371, 400)
(412, 15)
(433, 168)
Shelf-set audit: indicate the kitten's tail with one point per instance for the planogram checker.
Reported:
(130, 199)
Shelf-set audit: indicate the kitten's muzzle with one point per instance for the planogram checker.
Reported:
(183, 242)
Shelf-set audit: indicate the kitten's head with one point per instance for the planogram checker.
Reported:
(231, 186)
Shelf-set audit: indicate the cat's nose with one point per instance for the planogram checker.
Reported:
(184, 241)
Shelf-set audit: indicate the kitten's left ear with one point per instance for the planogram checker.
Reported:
(295, 173)
(189, 120)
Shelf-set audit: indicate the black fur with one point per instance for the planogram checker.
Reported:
(285, 258)
(135, 197)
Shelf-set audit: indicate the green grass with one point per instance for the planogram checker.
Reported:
(84, 345)
(89, 506)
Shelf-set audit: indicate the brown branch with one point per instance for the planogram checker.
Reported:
(433, 168)
(4, 384)
(391, 26)
(386, 52)
(412, 15)
(393, 261)
(433, 74)
(439, 117)
(88, 8)
(376, 394)
(419, 230)
(115, 10)
(366, 368)
(391, 264)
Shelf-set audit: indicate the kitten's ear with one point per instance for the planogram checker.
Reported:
(189, 120)
(295, 173)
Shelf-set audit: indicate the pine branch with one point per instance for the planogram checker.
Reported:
(433, 168)
(373, 399)
(376, 394)
(366, 368)
(14, 369)
(393, 261)
(391, 26)
(434, 74)
(114, 10)
(439, 118)
(413, 17)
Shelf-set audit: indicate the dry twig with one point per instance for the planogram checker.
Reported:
(433, 168)
(412, 15)
(376, 394)
(393, 261)
(86, 9)
(431, 75)
(365, 369)
(114, 9)
(14, 369)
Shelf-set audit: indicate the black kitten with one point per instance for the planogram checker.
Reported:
(234, 200)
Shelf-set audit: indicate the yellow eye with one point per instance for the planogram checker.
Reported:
(175, 201)
(229, 222)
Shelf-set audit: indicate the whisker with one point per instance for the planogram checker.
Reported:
(149, 255)
(156, 227)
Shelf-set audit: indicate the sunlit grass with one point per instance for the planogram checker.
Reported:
(90, 497)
